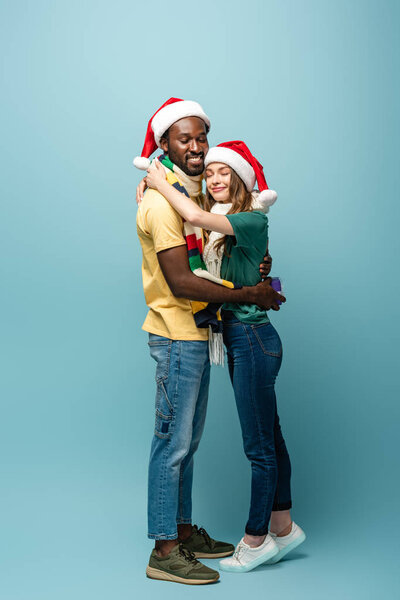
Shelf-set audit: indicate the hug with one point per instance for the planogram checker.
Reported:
(205, 278)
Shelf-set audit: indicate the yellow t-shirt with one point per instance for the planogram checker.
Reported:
(159, 227)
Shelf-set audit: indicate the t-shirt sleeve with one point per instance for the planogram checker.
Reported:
(162, 222)
(250, 229)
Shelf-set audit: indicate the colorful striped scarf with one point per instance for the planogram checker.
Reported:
(206, 314)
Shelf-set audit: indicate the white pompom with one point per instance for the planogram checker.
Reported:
(267, 197)
(141, 162)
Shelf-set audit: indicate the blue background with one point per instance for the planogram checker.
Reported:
(313, 88)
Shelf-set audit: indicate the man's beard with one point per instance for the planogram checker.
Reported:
(191, 171)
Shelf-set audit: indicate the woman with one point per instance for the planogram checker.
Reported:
(236, 231)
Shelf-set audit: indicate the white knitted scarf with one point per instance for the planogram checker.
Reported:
(213, 259)
(211, 256)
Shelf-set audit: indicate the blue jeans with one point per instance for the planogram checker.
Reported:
(182, 377)
(254, 359)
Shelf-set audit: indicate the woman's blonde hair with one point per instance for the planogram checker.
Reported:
(241, 202)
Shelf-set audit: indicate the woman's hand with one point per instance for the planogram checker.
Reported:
(140, 190)
(155, 175)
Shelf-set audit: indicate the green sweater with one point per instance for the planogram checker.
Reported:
(246, 249)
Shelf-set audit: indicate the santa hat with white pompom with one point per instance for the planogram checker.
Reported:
(171, 111)
(237, 155)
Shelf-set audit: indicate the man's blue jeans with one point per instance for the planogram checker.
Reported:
(182, 377)
(254, 359)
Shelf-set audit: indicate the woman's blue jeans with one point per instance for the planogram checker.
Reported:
(254, 359)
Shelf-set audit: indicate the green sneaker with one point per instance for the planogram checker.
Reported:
(203, 546)
(180, 566)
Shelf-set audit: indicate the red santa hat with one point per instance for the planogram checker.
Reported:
(237, 155)
(171, 111)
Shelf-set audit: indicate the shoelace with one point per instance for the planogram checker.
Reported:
(204, 533)
(238, 551)
(187, 554)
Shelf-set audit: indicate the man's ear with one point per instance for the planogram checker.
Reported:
(164, 144)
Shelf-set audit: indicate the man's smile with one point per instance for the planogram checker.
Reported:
(195, 161)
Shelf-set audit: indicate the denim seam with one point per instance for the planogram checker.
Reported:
(162, 385)
(282, 505)
(276, 499)
(180, 492)
(178, 346)
(275, 354)
(162, 416)
(164, 377)
(257, 532)
(168, 360)
(163, 536)
(162, 486)
(184, 521)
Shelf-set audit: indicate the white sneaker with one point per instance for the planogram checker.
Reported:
(287, 543)
(246, 558)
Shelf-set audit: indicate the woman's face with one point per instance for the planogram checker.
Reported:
(218, 179)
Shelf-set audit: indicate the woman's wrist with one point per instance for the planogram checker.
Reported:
(163, 185)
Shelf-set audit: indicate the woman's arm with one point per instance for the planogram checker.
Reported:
(183, 205)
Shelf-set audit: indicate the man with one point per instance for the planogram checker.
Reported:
(179, 348)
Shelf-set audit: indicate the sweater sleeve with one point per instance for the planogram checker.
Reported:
(250, 229)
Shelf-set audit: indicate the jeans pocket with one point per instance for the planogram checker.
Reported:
(268, 339)
(164, 412)
(161, 352)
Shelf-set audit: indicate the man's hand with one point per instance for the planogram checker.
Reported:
(265, 296)
(265, 267)
(140, 190)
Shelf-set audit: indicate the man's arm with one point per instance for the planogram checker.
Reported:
(184, 284)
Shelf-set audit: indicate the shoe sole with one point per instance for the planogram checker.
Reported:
(282, 553)
(220, 555)
(153, 573)
(250, 566)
